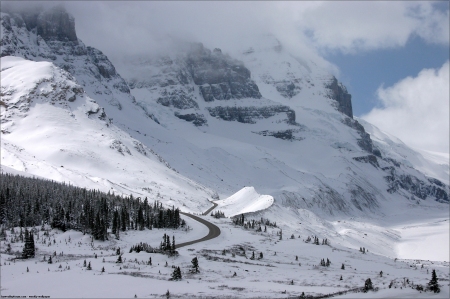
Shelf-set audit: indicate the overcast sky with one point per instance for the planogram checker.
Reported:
(393, 56)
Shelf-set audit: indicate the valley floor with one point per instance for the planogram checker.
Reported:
(278, 274)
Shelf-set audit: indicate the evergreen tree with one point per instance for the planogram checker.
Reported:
(89, 266)
(28, 249)
(103, 269)
(119, 259)
(176, 274)
(433, 284)
(195, 265)
(260, 255)
(340, 278)
(343, 267)
(50, 261)
(368, 285)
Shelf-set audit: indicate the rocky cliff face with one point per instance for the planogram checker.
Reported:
(50, 35)
(218, 76)
(56, 24)
(339, 93)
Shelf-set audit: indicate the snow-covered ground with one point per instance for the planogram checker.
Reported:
(278, 271)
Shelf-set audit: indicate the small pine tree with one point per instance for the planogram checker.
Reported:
(328, 262)
(296, 257)
(261, 255)
(433, 284)
(253, 256)
(195, 265)
(340, 278)
(84, 263)
(89, 266)
(343, 267)
(119, 259)
(368, 285)
(167, 294)
(28, 270)
(176, 274)
(103, 269)
(381, 273)
(28, 248)
(50, 261)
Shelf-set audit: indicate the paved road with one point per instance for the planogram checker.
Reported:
(214, 231)
(210, 209)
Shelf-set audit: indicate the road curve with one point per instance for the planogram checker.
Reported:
(210, 209)
(214, 231)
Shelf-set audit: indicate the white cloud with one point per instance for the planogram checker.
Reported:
(416, 110)
(369, 25)
(330, 25)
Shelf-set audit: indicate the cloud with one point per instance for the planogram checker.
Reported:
(369, 25)
(135, 26)
(416, 110)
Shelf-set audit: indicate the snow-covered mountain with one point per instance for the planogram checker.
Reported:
(198, 123)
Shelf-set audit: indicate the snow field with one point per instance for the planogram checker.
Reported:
(246, 200)
(267, 277)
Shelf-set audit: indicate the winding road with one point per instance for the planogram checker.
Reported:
(214, 231)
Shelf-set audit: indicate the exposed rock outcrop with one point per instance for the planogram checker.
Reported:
(339, 93)
(285, 134)
(195, 118)
(251, 114)
(218, 76)
(421, 189)
(364, 142)
(50, 35)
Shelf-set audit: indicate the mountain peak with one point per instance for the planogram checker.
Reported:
(56, 24)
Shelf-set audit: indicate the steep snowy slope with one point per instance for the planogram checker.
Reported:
(52, 129)
(295, 138)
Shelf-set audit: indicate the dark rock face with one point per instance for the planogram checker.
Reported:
(433, 188)
(251, 114)
(368, 159)
(55, 24)
(339, 93)
(287, 89)
(195, 118)
(176, 98)
(218, 76)
(364, 142)
(105, 68)
(284, 135)
(362, 199)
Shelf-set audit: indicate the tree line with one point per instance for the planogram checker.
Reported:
(26, 202)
